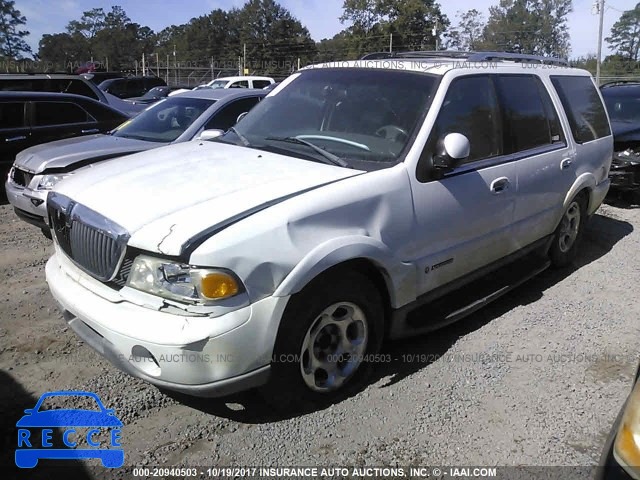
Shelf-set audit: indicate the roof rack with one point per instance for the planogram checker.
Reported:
(620, 82)
(416, 54)
(470, 56)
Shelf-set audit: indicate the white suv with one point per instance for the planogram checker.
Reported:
(281, 253)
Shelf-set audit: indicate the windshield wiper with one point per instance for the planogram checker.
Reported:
(242, 138)
(334, 159)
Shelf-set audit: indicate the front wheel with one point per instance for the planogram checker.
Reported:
(328, 332)
(568, 234)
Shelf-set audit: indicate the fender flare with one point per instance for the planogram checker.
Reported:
(585, 181)
(400, 277)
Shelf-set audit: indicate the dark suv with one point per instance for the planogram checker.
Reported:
(130, 86)
(623, 104)
(31, 118)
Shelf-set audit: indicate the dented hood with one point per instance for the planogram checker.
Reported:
(69, 153)
(167, 196)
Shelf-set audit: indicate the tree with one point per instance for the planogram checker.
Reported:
(529, 26)
(625, 35)
(12, 42)
(467, 35)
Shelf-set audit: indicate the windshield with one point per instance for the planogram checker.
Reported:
(155, 92)
(363, 117)
(623, 108)
(218, 84)
(165, 121)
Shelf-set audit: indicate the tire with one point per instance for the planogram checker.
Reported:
(342, 306)
(568, 234)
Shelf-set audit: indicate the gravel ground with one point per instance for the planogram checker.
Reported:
(536, 378)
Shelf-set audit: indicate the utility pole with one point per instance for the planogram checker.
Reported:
(434, 32)
(599, 60)
(167, 79)
(244, 59)
(175, 65)
(390, 42)
(143, 69)
(157, 65)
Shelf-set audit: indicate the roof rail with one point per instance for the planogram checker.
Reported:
(516, 57)
(620, 82)
(416, 54)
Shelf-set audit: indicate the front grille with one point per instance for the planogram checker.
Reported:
(21, 177)
(93, 242)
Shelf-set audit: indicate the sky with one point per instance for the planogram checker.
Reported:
(321, 17)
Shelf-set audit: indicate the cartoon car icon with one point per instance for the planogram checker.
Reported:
(32, 447)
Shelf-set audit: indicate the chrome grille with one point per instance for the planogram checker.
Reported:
(21, 177)
(94, 243)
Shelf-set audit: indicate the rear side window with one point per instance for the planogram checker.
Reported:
(529, 123)
(583, 106)
(12, 115)
(240, 84)
(226, 117)
(58, 113)
(471, 108)
(261, 83)
(78, 87)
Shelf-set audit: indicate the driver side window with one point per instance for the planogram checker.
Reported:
(470, 108)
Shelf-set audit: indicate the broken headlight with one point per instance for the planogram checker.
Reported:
(47, 182)
(180, 282)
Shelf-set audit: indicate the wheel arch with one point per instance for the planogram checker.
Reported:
(583, 185)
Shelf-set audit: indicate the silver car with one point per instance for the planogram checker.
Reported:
(179, 118)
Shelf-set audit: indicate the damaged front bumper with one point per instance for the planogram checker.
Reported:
(196, 355)
(625, 170)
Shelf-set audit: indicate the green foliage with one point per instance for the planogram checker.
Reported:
(625, 34)
(12, 43)
(468, 34)
(529, 26)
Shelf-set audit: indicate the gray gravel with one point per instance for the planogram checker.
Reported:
(537, 378)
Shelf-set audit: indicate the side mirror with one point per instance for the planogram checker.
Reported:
(451, 151)
(210, 134)
(241, 116)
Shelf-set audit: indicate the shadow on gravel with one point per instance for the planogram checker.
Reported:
(600, 236)
(13, 401)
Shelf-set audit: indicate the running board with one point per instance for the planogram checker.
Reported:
(458, 304)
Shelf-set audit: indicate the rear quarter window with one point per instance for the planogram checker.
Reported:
(59, 113)
(584, 109)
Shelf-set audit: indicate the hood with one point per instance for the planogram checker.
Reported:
(166, 197)
(625, 131)
(69, 151)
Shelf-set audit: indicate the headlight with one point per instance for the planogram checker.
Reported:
(48, 181)
(626, 448)
(180, 282)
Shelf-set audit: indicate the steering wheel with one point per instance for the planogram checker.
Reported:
(392, 132)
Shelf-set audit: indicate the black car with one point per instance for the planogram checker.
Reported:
(620, 458)
(130, 86)
(623, 104)
(31, 118)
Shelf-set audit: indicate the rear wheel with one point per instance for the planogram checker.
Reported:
(326, 335)
(568, 235)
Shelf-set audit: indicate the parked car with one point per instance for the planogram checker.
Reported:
(239, 82)
(32, 118)
(62, 83)
(153, 95)
(620, 458)
(283, 252)
(623, 104)
(130, 86)
(99, 77)
(174, 120)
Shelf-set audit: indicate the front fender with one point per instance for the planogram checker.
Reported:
(400, 277)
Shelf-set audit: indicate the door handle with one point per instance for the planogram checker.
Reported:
(565, 163)
(499, 185)
(90, 130)
(15, 139)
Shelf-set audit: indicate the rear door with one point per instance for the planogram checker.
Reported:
(55, 120)
(14, 132)
(544, 159)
